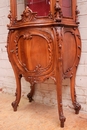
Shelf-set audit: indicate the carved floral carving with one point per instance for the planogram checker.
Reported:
(28, 15)
(58, 12)
(28, 35)
(10, 17)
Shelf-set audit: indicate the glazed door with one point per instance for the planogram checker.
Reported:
(68, 9)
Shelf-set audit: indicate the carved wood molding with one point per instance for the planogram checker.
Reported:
(58, 12)
(70, 71)
(10, 17)
(28, 15)
(77, 12)
(28, 35)
(39, 79)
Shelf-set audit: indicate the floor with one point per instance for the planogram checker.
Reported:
(35, 116)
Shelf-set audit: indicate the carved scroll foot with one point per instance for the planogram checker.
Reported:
(77, 107)
(29, 96)
(18, 92)
(62, 120)
(14, 105)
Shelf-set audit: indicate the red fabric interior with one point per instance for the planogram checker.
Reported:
(42, 7)
(66, 8)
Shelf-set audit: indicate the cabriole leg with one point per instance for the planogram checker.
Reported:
(18, 92)
(76, 105)
(31, 93)
(59, 97)
(60, 107)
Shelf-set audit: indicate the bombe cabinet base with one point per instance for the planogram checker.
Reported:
(38, 54)
(42, 48)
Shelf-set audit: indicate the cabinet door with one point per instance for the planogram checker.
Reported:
(71, 50)
(35, 50)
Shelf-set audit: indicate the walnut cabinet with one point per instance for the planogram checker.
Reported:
(45, 43)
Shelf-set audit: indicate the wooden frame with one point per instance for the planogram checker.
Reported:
(13, 7)
(64, 18)
(70, 20)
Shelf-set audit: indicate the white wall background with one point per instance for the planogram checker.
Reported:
(45, 92)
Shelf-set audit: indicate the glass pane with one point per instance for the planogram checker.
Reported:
(66, 8)
(20, 8)
(42, 7)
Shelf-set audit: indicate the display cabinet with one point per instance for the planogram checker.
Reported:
(45, 43)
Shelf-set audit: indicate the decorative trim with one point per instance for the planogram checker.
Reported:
(28, 35)
(77, 12)
(10, 17)
(70, 71)
(58, 12)
(59, 43)
(28, 15)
